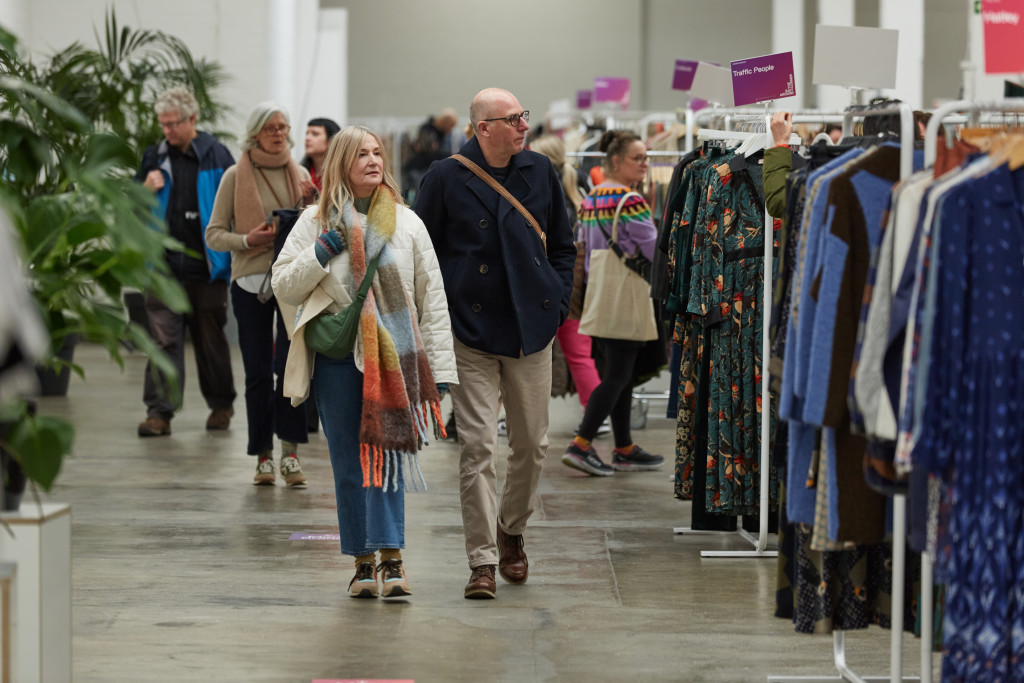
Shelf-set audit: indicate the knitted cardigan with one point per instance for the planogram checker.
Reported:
(636, 231)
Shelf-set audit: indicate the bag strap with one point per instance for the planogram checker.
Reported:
(496, 186)
(612, 239)
(368, 278)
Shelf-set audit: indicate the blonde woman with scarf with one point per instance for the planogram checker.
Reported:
(376, 403)
(264, 179)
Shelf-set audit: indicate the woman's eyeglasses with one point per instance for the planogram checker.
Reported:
(276, 130)
(640, 159)
(513, 119)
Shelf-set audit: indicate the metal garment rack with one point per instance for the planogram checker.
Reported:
(948, 113)
(761, 542)
(692, 118)
(899, 532)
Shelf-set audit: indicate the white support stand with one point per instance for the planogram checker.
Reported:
(899, 531)
(41, 601)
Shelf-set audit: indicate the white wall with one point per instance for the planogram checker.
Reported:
(242, 35)
(409, 58)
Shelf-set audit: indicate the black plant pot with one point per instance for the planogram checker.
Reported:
(14, 481)
(55, 382)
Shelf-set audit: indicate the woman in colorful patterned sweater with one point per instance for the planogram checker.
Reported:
(625, 166)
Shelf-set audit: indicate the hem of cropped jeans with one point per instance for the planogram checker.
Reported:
(374, 549)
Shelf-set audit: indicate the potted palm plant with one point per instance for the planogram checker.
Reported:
(72, 131)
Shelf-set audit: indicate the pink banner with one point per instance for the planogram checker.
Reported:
(612, 90)
(1004, 35)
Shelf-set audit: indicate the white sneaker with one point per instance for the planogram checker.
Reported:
(502, 427)
(605, 429)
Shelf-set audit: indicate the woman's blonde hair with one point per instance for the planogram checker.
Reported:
(341, 157)
(554, 149)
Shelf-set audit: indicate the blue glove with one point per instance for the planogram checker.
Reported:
(328, 245)
(442, 389)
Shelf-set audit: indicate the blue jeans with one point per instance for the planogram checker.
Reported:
(263, 354)
(368, 518)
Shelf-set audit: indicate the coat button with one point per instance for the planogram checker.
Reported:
(547, 303)
(476, 308)
(483, 224)
(483, 269)
(536, 259)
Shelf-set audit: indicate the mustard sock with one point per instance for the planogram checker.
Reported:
(390, 554)
(581, 442)
(371, 558)
(626, 450)
(289, 448)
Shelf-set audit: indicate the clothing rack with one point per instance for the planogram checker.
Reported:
(945, 114)
(692, 118)
(761, 542)
(899, 531)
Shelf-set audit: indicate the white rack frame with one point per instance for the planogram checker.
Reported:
(761, 542)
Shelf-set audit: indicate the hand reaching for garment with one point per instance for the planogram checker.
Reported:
(782, 127)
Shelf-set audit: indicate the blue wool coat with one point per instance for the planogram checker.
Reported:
(505, 296)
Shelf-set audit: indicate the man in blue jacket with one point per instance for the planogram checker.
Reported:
(507, 295)
(184, 171)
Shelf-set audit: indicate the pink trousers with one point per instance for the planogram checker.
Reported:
(576, 348)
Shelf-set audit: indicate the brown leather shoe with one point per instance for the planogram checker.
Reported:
(220, 418)
(481, 583)
(512, 563)
(154, 426)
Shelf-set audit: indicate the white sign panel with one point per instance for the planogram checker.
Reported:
(855, 56)
(713, 83)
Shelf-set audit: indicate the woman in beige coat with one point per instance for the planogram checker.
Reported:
(376, 402)
(264, 179)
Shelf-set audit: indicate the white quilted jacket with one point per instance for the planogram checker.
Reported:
(299, 280)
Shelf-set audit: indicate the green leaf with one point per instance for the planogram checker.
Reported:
(40, 443)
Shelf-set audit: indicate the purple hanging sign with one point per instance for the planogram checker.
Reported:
(682, 76)
(584, 98)
(760, 79)
(612, 90)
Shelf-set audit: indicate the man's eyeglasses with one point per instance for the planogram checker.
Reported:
(513, 119)
(276, 130)
(165, 125)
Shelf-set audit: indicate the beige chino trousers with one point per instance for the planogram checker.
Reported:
(524, 386)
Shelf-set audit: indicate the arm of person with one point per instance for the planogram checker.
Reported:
(297, 271)
(432, 305)
(778, 162)
(637, 232)
(430, 206)
(219, 235)
(560, 246)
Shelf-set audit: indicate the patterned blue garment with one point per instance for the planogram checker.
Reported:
(972, 428)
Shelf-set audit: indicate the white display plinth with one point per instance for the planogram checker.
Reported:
(41, 596)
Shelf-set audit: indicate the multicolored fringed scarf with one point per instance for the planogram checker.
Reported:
(399, 394)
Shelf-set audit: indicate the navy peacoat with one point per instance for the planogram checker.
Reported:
(505, 296)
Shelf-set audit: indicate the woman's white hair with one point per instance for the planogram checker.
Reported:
(263, 112)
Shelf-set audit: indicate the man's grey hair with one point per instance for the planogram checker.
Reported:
(179, 100)
(263, 112)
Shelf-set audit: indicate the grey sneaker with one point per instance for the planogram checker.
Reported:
(637, 460)
(585, 461)
(291, 472)
(264, 472)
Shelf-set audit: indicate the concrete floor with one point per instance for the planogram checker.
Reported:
(184, 571)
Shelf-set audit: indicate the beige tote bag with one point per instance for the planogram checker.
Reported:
(617, 304)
